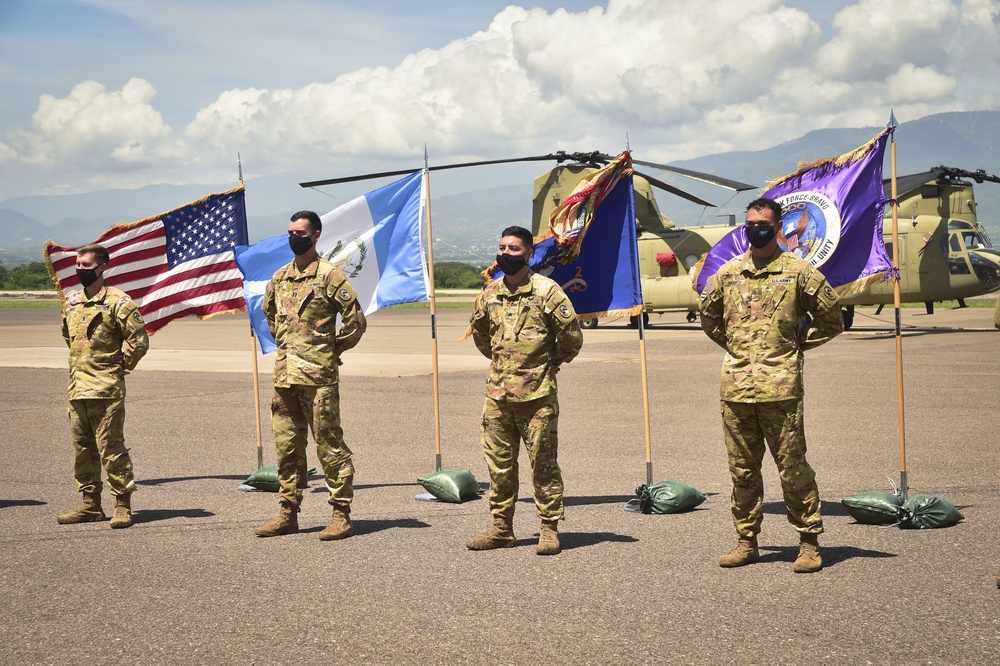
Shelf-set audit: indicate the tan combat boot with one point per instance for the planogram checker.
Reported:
(287, 522)
(499, 535)
(808, 560)
(123, 512)
(548, 538)
(340, 525)
(745, 553)
(88, 512)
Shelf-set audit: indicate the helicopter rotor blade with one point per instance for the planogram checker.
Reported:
(675, 191)
(559, 156)
(734, 185)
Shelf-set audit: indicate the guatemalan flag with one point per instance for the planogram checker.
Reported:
(375, 240)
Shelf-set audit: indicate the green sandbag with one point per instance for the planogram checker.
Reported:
(928, 512)
(266, 478)
(668, 497)
(874, 508)
(451, 485)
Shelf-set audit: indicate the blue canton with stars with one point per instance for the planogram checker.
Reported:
(209, 227)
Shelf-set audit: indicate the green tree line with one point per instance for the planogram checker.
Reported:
(34, 276)
(456, 275)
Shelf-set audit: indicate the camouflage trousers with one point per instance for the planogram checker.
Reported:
(296, 410)
(747, 427)
(97, 427)
(504, 425)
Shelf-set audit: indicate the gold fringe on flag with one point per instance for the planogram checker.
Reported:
(839, 161)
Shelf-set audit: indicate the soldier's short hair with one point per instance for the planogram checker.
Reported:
(312, 218)
(764, 202)
(99, 251)
(521, 234)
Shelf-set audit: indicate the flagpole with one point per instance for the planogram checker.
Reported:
(642, 361)
(256, 397)
(253, 359)
(645, 399)
(434, 341)
(896, 302)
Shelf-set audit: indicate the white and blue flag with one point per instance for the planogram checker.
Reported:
(375, 240)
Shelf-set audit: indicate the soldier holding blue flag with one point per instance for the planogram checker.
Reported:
(301, 303)
(765, 308)
(527, 327)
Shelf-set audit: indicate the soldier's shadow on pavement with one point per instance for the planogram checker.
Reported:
(363, 527)
(827, 508)
(571, 540)
(592, 499)
(4, 504)
(154, 515)
(832, 555)
(175, 479)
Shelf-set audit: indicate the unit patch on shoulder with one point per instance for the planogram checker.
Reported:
(564, 311)
(344, 294)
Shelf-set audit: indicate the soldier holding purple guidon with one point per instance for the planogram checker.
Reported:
(757, 307)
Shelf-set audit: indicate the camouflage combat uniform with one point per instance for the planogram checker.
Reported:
(759, 317)
(301, 310)
(105, 336)
(527, 334)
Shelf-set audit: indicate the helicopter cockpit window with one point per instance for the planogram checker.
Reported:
(956, 245)
(976, 241)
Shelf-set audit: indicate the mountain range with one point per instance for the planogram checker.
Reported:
(465, 224)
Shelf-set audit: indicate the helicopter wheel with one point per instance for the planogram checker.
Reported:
(848, 314)
(589, 322)
(633, 322)
(692, 316)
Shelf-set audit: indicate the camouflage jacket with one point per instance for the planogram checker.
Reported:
(106, 336)
(759, 318)
(301, 310)
(527, 334)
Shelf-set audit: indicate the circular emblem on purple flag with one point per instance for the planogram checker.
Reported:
(810, 226)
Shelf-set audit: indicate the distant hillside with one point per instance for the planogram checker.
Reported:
(466, 225)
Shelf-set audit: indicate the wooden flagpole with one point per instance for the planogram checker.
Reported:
(645, 398)
(434, 341)
(895, 294)
(253, 362)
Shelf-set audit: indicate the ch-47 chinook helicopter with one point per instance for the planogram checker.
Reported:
(945, 254)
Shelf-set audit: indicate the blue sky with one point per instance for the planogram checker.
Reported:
(113, 93)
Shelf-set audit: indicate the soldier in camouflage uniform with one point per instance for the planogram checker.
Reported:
(996, 314)
(757, 307)
(302, 302)
(106, 338)
(527, 327)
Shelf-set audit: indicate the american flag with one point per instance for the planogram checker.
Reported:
(173, 265)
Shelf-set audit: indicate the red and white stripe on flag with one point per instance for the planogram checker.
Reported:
(207, 284)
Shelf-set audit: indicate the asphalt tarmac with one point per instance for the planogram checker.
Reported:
(190, 584)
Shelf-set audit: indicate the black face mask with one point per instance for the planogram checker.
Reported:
(299, 244)
(510, 264)
(87, 276)
(760, 236)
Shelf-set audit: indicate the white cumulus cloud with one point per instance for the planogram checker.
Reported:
(682, 78)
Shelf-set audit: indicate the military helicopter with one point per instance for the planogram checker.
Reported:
(945, 254)
(936, 204)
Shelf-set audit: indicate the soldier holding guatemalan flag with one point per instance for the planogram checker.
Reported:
(302, 303)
